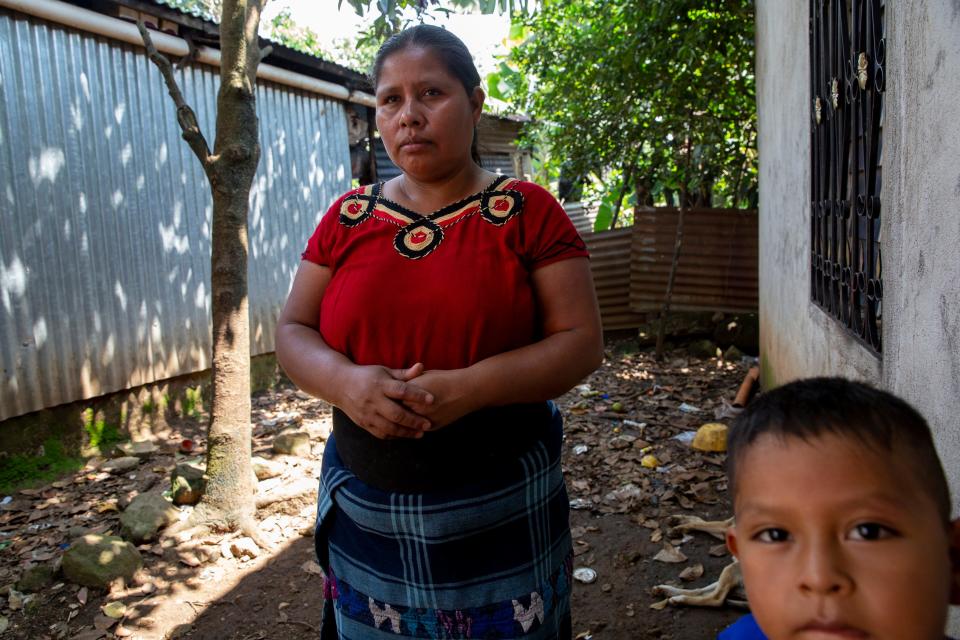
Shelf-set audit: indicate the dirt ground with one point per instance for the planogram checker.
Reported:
(630, 408)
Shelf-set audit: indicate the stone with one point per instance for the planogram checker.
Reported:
(732, 354)
(36, 578)
(711, 437)
(77, 531)
(141, 450)
(294, 443)
(96, 560)
(244, 547)
(188, 483)
(702, 349)
(147, 514)
(120, 465)
(15, 600)
(265, 469)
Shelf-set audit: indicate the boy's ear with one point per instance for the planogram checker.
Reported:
(732, 543)
(955, 561)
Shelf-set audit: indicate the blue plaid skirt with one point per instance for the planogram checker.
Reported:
(488, 560)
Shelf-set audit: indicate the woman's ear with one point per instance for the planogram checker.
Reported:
(477, 99)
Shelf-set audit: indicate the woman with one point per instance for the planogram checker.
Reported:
(439, 312)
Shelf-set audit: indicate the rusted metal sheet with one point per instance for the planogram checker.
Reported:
(717, 270)
(610, 263)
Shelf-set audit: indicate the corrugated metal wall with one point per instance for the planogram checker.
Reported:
(610, 263)
(717, 270)
(105, 214)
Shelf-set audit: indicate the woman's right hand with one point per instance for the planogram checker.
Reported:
(376, 397)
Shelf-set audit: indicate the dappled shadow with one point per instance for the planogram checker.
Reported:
(105, 273)
(281, 599)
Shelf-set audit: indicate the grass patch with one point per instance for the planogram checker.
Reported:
(193, 402)
(99, 432)
(18, 471)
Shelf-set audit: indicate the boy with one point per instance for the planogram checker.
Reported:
(842, 515)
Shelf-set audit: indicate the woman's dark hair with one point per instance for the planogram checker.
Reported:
(448, 47)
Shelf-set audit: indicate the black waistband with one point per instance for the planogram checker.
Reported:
(463, 452)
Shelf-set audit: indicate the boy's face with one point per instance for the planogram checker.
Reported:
(837, 540)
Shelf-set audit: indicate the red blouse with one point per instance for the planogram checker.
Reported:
(447, 289)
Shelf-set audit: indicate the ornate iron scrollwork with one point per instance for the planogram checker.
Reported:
(847, 56)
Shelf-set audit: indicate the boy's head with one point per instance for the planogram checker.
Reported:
(842, 514)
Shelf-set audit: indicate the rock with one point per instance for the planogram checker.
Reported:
(36, 578)
(711, 437)
(295, 443)
(96, 560)
(702, 349)
(670, 554)
(241, 547)
(147, 514)
(120, 465)
(732, 354)
(265, 469)
(141, 450)
(188, 483)
(77, 532)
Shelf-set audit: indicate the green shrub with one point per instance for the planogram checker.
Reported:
(98, 431)
(19, 470)
(193, 402)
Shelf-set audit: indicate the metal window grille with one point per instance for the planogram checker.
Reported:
(847, 49)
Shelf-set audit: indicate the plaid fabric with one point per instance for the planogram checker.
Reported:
(489, 560)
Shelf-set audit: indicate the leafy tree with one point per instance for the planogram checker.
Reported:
(662, 92)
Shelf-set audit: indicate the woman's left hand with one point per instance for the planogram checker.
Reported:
(451, 397)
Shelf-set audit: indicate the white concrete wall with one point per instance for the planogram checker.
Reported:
(920, 233)
(921, 220)
(797, 339)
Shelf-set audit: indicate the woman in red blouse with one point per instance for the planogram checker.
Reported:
(439, 312)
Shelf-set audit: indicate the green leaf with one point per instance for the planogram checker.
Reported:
(604, 217)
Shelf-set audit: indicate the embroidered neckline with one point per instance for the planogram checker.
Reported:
(447, 208)
(420, 235)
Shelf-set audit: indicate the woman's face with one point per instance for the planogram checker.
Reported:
(425, 117)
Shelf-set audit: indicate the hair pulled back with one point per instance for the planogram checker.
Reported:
(448, 48)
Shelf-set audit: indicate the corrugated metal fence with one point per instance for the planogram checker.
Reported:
(717, 270)
(105, 214)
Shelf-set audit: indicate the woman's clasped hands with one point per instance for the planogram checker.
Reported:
(405, 403)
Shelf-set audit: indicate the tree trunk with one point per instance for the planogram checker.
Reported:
(228, 502)
(665, 309)
(623, 192)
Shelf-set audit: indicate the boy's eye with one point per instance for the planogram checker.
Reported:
(773, 535)
(870, 531)
(431, 92)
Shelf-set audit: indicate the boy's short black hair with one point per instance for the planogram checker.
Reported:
(814, 407)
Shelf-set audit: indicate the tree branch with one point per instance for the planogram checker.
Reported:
(186, 118)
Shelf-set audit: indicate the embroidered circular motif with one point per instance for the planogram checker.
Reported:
(499, 206)
(355, 210)
(418, 238)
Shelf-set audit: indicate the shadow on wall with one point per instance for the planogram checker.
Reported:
(104, 275)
